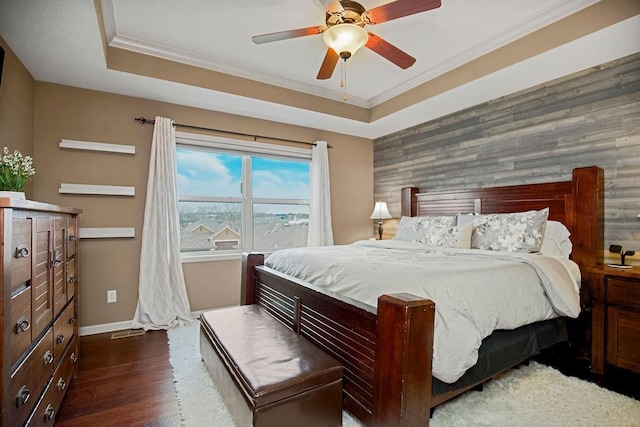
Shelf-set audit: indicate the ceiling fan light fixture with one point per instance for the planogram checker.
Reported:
(345, 39)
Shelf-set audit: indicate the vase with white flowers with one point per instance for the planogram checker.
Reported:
(15, 171)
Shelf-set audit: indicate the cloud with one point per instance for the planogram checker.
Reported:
(208, 174)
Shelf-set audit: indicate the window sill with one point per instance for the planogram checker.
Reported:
(187, 258)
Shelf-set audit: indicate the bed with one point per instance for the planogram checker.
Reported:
(387, 350)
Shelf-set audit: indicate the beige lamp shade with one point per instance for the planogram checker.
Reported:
(380, 211)
(345, 38)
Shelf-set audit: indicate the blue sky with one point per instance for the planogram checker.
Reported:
(203, 173)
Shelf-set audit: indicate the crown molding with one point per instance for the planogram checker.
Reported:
(226, 67)
(515, 32)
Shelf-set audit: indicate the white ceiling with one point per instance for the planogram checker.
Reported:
(59, 41)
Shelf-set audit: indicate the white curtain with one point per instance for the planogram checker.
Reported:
(320, 231)
(162, 294)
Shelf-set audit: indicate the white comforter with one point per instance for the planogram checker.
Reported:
(475, 292)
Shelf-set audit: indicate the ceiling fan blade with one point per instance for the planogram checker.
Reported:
(390, 52)
(331, 5)
(328, 65)
(400, 8)
(289, 34)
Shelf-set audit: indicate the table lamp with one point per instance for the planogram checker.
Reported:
(380, 211)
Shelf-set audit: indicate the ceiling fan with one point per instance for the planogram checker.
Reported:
(344, 32)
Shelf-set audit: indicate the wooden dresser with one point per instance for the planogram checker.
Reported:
(39, 335)
(616, 319)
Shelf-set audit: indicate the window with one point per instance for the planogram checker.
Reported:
(238, 196)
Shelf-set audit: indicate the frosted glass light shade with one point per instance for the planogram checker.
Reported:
(345, 38)
(380, 211)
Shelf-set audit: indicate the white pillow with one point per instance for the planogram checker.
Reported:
(467, 218)
(556, 242)
(408, 229)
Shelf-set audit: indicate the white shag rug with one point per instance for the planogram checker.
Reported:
(534, 395)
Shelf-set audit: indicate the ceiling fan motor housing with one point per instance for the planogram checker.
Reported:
(351, 14)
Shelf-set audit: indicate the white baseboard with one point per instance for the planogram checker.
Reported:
(119, 326)
(105, 327)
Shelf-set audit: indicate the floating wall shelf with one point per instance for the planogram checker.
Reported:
(106, 190)
(97, 146)
(107, 233)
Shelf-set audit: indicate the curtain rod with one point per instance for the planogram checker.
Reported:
(255, 137)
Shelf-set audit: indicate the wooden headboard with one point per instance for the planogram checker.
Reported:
(579, 204)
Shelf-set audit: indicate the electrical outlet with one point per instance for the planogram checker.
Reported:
(112, 296)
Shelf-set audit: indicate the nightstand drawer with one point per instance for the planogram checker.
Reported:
(623, 338)
(623, 292)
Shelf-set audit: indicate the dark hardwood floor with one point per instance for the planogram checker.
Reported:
(129, 382)
(122, 382)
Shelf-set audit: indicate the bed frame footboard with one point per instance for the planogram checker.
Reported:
(386, 352)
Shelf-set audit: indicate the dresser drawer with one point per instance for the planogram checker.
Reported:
(45, 412)
(623, 292)
(72, 238)
(72, 278)
(19, 338)
(20, 252)
(64, 330)
(30, 379)
(64, 373)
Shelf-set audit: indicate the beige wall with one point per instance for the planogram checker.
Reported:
(72, 113)
(16, 105)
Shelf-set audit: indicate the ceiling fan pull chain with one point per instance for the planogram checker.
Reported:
(343, 82)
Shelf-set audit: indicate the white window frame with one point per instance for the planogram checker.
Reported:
(247, 149)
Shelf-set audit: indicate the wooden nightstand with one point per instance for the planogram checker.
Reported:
(616, 319)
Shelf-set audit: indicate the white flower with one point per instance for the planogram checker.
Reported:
(15, 169)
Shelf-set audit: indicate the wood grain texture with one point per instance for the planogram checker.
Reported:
(126, 381)
(536, 135)
(387, 378)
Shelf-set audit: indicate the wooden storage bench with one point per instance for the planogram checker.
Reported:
(266, 373)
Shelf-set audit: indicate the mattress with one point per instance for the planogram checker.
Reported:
(475, 292)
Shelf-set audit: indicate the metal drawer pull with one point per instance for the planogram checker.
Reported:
(61, 384)
(49, 412)
(22, 251)
(73, 358)
(72, 237)
(22, 325)
(55, 263)
(60, 339)
(72, 279)
(48, 357)
(22, 396)
(73, 319)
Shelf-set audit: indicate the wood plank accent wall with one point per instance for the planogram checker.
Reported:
(536, 135)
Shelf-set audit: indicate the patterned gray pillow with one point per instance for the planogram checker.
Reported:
(431, 225)
(408, 228)
(413, 229)
(514, 232)
(450, 237)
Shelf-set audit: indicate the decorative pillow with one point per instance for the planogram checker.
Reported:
(466, 218)
(408, 228)
(450, 237)
(556, 242)
(433, 224)
(514, 232)
(413, 229)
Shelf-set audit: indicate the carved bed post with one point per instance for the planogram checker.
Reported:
(409, 202)
(247, 285)
(404, 352)
(588, 200)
